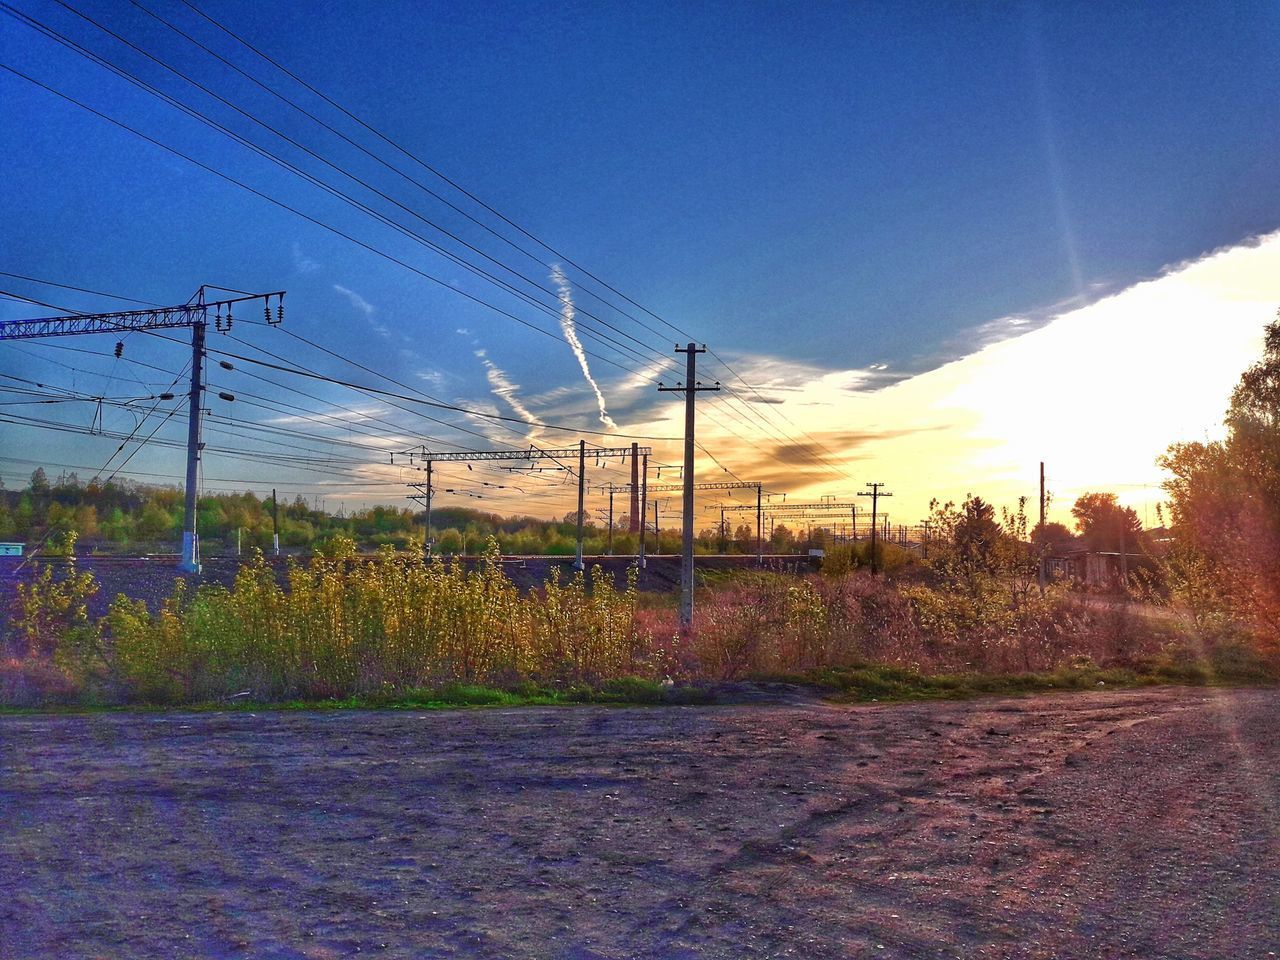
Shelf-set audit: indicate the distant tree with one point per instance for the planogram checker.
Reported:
(976, 534)
(1104, 524)
(969, 546)
(1051, 535)
(39, 481)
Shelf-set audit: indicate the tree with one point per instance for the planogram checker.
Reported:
(1104, 524)
(1224, 506)
(39, 481)
(1051, 535)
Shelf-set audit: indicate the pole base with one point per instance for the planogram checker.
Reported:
(190, 559)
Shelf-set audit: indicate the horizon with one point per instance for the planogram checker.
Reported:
(890, 308)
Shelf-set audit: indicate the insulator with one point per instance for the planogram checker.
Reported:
(228, 326)
(266, 312)
(119, 348)
(280, 310)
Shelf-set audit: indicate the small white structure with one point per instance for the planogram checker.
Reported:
(11, 549)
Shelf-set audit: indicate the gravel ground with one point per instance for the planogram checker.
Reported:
(1129, 824)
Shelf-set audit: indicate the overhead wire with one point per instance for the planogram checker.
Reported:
(490, 209)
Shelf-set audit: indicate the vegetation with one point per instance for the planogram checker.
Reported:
(969, 614)
(120, 516)
(1224, 507)
(403, 631)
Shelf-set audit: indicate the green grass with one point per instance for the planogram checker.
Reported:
(625, 691)
(1225, 666)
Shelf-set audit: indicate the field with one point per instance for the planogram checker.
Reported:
(1109, 824)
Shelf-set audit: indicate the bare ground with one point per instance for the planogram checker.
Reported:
(1136, 824)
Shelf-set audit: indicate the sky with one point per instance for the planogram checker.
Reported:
(941, 242)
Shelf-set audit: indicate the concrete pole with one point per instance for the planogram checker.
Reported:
(643, 509)
(686, 557)
(429, 542)
(189, 562)
(635, 488)
(582, 492)
(760, 524)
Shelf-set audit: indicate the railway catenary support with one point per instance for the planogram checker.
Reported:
(194, 314)
(533, 453)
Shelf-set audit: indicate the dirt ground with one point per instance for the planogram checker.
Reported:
(1128, 824)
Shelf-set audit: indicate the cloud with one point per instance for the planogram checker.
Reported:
(368, 309)
(503, 387)
(569, 328)
(301, 262)
(357, 301)
(434, 377)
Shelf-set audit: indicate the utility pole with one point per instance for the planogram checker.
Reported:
(759, 525)
(582, 491)
(190, 559)
(927, 525)
(1040, 550)
(611, 519)
(875, 494)
(275, 524)
(194, 314)
(643, 509)
(722, 536)
(429, 541)
(1124, 555)
(634, 525)
(657, 531)
(690, 388)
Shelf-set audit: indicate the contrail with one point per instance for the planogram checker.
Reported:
(571, 336)
(502, 387)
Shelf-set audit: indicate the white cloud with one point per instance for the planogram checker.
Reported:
(357, 301)
(503, 387)
(570, 330)
(301, 262)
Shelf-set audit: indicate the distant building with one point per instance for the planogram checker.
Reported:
(1093, 568)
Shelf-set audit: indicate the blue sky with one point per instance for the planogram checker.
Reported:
(832, 185)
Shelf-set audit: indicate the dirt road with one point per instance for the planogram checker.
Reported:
(1137, 824)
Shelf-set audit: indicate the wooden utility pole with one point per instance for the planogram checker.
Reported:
(1041, 548)
(875, 493)
(690, 388)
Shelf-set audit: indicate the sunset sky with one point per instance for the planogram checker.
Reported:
(941, 242)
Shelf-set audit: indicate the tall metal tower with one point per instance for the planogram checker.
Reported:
(193, 314)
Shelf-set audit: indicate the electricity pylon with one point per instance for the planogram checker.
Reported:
(193, 314)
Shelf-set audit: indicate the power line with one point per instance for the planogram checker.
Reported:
(753, 413)
(315, 181)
